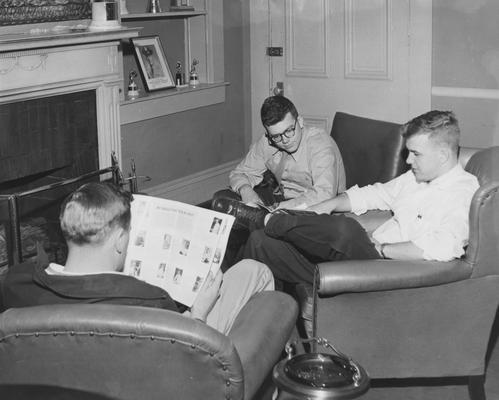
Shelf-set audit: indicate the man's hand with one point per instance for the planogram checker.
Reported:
(320, 208)
(340, 203)
(249, 196)
(207, 296)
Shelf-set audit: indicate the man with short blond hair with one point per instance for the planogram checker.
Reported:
(95, 221)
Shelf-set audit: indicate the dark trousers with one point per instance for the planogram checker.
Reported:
(291, 245)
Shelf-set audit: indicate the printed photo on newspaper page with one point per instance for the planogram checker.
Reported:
(174, 245)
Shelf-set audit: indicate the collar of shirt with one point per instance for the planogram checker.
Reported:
(57, 269)
(447, 177)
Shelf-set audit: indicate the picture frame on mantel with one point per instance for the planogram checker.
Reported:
(152, 63)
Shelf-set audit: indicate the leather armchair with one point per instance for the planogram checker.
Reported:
(372, 150)
(126, 352)
(419, 319)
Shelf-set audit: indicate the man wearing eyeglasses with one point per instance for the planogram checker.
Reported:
(304, 162)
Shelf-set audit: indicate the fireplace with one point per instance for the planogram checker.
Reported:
(59, 120)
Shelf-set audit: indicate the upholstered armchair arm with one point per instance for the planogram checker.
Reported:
(259, 335)
(376, 275)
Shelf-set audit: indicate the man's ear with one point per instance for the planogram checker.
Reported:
(300, 121)
(121, 240)
(445, 154)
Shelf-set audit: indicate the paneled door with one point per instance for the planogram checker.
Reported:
(366, 57)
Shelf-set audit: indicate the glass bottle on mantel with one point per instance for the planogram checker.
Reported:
(193, 75)
(179, 76)
(154, 7)
(133, 89)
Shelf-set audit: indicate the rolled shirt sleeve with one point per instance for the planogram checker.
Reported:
(251, 169)
(379, 196)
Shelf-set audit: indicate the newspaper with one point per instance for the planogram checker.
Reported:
(174, 245)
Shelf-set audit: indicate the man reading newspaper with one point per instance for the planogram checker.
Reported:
(95, 221)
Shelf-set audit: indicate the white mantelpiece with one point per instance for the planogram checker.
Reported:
(36, 66)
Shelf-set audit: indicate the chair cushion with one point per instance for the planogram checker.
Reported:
(372, 150)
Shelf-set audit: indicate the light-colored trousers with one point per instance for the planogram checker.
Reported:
(240, 282)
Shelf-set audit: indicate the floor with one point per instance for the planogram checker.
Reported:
(449, 392)
(438, 391)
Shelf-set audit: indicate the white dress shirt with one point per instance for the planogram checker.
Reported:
(432, 215)
(312, 174)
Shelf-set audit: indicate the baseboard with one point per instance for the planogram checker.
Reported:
(196, 188)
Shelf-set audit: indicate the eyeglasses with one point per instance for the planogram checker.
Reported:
(288, 134)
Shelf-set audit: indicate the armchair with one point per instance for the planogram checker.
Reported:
(126, 352)
(377, 143)
(420, 319)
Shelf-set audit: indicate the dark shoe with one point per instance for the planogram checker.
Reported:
(246, 217)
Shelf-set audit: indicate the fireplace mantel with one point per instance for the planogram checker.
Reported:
(46, 38)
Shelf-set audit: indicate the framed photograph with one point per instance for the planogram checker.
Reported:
(152, 63)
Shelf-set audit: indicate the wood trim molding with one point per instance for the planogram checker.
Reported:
(195, 188)
(317, 121)
(316, 67)
(460, 92)
(354, 67)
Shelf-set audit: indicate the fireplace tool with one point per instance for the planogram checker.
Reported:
(132, 178)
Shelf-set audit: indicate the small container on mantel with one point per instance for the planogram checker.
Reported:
(105, 15)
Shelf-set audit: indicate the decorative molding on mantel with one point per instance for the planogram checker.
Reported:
(24, 40)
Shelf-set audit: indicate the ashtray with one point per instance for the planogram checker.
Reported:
(320, 376)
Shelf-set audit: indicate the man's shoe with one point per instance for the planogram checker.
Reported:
(246, 217)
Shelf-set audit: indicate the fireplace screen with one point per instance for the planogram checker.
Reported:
(29, 220)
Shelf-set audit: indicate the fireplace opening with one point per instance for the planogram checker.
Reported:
(44, 141)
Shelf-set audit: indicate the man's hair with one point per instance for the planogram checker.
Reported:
(275, 108)
(92, 211)
(441, 126)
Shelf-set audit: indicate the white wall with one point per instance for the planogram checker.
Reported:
(465, 68)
